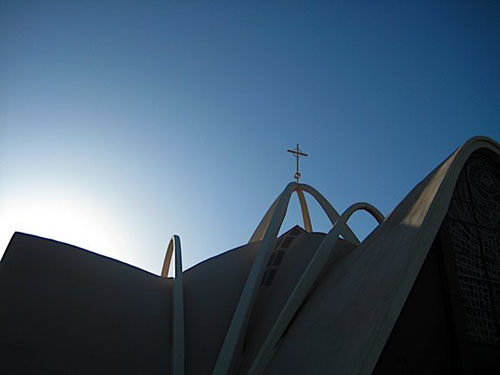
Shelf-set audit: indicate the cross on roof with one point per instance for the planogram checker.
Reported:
(297, 153)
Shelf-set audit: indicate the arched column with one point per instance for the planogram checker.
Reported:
(270, 225)
(332, 214)
(258, 234)
(267, 232)
(305, 212)
(305, 283)
(174, 246)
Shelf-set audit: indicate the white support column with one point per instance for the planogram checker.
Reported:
(267, 232)
(174, 245)
(231, 348)
(305, 212)
(258, 235)
(304, 285)
(332, 214)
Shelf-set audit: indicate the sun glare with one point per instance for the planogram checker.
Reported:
(63, 220)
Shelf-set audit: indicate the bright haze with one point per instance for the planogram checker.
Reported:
(124, 122)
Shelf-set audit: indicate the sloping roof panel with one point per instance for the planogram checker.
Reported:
(347, 320)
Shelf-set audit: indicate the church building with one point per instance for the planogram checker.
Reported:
(419, 295)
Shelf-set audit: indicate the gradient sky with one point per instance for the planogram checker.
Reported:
(124, 122)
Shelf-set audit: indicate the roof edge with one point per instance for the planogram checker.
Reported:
(424, 239)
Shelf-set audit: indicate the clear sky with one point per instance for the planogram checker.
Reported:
(124, 122)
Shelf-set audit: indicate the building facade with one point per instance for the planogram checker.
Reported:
(421, 294)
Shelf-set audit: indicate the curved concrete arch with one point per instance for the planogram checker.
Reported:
(331, 212)
(305, 283)
(178, 345)
(378, 277)
(305, 211)
(267, 232)
(292, 187)
(427, 213)
(258, 234)
(270, 225)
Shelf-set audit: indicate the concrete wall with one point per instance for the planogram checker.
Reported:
(67, 310)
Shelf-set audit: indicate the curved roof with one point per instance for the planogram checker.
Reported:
(68, 310)
(341, 327)
(360, 299)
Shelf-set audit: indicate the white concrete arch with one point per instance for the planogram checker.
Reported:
(305, 284)
(305, 211)
(292, 187)
(426, 214)
(178, 352)
(413, 227)
(268, 228)
(267, 232)
(401, 243)
(331, 212)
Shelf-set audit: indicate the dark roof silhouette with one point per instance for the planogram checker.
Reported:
(421, 293)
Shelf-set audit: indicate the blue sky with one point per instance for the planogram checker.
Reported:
(124, 122)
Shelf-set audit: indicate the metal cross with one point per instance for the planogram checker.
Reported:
(298, 153)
